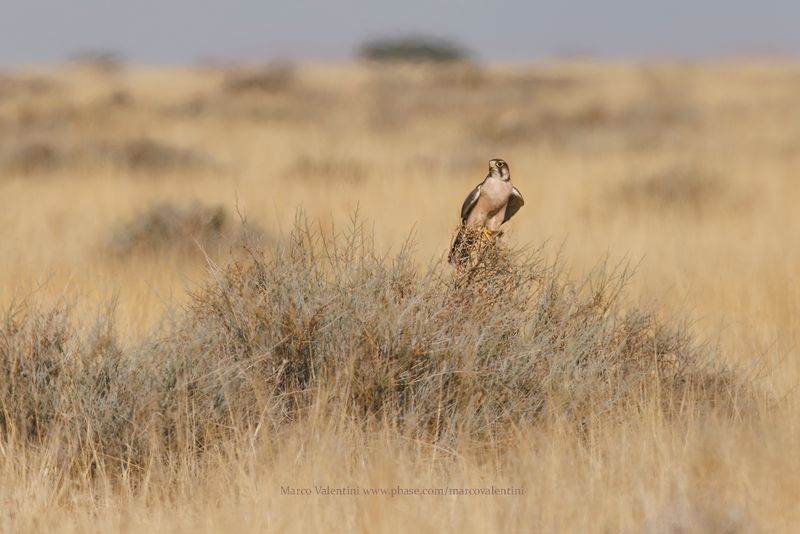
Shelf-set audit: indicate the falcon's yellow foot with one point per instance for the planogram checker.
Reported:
(487, 234)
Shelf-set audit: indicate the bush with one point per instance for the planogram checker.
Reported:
(336, 327)
(413, 49)
(166, 227)
(150, 155)
(33, 157)
(273, 78)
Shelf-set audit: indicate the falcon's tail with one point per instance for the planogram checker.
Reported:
(469, 240)
(465, 243)
(459, 252)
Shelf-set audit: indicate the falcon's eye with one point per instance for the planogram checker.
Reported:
(499, 164)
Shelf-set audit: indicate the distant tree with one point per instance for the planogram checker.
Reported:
(412, 48)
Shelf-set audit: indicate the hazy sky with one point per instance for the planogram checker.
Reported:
(180, 31)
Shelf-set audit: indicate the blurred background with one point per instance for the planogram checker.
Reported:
(184, 31)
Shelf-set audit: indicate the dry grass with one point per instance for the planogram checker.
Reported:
(335, 355)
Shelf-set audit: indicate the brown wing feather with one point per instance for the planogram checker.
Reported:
(515, 202)
(470, 202)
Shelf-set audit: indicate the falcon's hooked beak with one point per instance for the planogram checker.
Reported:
(499, 169)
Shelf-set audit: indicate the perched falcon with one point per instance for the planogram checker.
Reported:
(489, 205)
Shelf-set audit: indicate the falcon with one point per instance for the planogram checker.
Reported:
(486, 208)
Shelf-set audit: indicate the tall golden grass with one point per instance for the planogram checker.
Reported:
(626, 358)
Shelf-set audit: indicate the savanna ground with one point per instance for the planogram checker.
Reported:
(162, 372)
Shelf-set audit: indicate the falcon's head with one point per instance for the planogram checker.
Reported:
(499, 169)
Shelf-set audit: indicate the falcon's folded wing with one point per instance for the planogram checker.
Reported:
(515, 202)
(469, 203)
